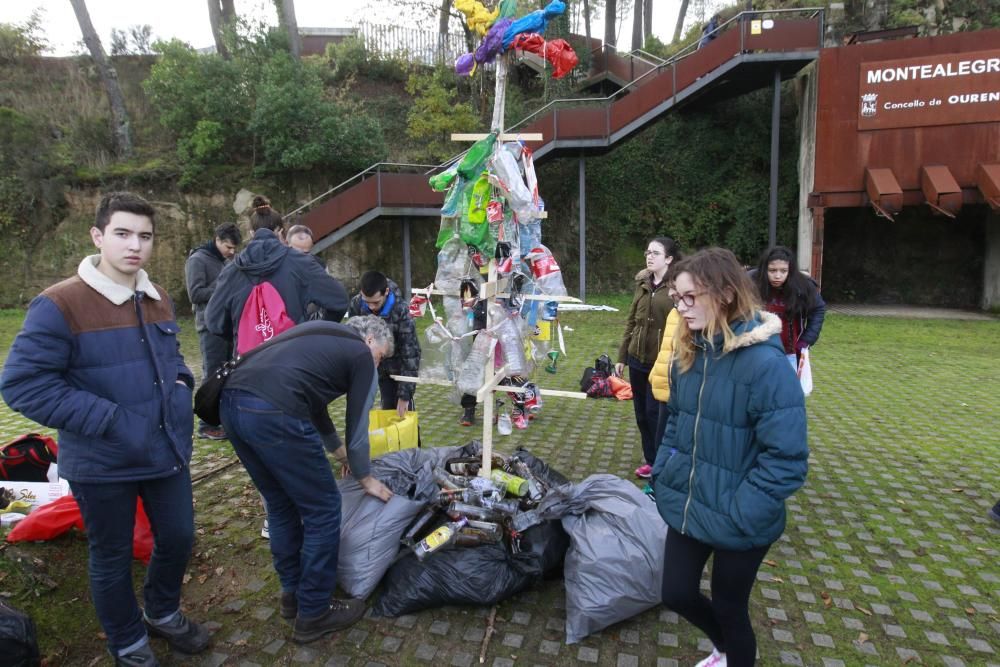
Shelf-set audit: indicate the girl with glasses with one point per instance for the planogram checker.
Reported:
(644, 327)
(734, 449)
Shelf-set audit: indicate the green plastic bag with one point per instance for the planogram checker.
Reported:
(475, 160)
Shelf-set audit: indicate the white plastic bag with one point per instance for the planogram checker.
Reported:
(805, 372)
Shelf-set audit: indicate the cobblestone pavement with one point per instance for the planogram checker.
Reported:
(888, 557)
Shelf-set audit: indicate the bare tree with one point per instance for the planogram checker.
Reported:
(681, 14)
(637, 33)
(119, 114)
(286, 12)
(444, 18)
(610, 23)
(586, 21)
(647, 19)
(221, 14)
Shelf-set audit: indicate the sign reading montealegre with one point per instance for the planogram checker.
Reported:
(933, 90)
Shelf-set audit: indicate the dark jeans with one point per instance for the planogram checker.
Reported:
(108, 512)
(646, 407)
(285, 458)
(661, 423)
(726, 617)
(215, 350)
(388, 389)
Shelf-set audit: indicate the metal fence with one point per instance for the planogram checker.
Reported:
(423, 46)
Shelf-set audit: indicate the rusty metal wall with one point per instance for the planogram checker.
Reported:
(843, 151)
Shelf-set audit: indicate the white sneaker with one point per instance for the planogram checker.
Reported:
(715, 660)
(265, 531)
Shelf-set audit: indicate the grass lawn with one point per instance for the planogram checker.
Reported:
(888, 557)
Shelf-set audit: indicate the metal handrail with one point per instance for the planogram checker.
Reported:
(670, 62)
(377, 167)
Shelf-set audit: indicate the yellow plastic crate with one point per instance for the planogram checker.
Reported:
(388, 433)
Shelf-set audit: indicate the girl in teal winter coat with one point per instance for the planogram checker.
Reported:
(734, 449)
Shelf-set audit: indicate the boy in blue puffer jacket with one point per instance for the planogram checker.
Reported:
(98, 359)
(734, 449)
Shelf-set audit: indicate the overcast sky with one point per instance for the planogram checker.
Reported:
(188, 19)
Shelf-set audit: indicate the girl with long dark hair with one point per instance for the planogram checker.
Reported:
(793, 296)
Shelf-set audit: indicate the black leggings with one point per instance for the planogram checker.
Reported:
(726, 617)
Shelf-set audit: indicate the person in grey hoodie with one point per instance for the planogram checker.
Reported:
(201, 270)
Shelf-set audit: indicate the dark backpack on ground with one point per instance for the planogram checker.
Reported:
(598, 375)
(18, 639)
(27, 458)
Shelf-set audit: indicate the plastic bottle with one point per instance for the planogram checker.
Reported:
(440, 538)
(504, 424)
(470, 378)
(508, 332)
(505, 507)
(452, 265)
(545, 269)
(516, 486)
(459, 509)
(526, 520)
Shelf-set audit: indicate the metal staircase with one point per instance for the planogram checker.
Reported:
(750, 51)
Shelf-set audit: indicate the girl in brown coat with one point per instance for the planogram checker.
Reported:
(644, 326)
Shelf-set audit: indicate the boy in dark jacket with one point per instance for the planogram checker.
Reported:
(201, 270)
(98, 359)
(380, 296)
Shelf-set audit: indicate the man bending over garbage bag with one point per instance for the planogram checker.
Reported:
(274, 408)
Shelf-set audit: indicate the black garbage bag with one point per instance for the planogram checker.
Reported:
(482, 575)
(478, 576)
(18, 639)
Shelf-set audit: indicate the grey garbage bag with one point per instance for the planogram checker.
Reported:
(614, 565)
(370, 529)
(369, 536)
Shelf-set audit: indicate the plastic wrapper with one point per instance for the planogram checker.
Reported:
(557, 52)
(506, 175)
(536, 21)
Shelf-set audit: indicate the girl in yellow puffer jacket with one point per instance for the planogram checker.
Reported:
(659, 377)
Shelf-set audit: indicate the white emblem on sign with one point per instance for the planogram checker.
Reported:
(868, 107)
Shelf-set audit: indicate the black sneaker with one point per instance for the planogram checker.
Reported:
(995, 512)
(341, 614)
(181, 634)
(141, 657)
(289, 606)
(468, 417)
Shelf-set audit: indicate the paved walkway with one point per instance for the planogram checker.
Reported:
(915, 312)
(888, 557)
